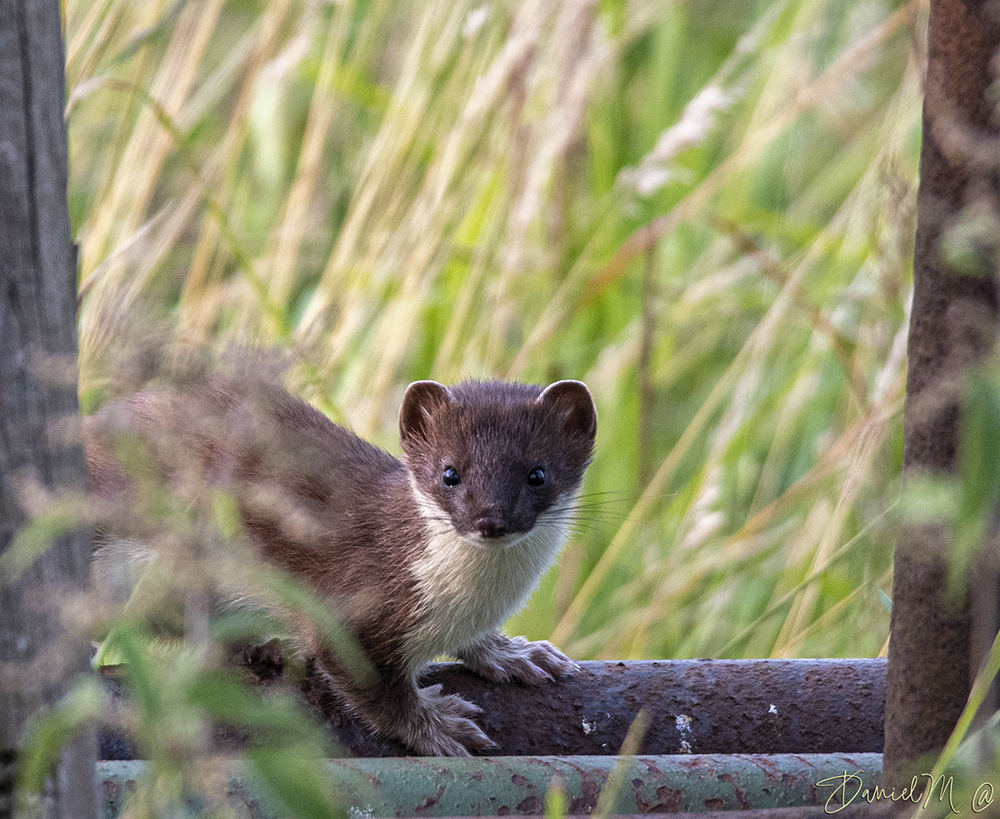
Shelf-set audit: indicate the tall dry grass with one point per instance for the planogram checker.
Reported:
(703, 210)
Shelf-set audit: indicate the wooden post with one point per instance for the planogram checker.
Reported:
(40, 442)
(953, 326)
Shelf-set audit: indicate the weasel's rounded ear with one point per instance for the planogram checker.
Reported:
(572, 400)
(421, 401)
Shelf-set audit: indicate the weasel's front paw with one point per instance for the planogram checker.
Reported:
(502, 658)
(443, 726)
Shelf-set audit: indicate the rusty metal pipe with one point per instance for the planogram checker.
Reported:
(695, 706)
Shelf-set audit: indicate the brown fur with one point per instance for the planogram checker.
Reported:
(342, 517)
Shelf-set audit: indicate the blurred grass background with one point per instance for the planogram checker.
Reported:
(704, 210)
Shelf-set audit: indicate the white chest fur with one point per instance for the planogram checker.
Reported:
(468, 589)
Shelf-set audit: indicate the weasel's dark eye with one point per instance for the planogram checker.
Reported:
(536, 477)
(450, 477)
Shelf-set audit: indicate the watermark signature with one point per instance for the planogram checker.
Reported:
(849, 787)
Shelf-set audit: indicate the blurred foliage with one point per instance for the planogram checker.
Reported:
(963, 505)
(704, 210)
(176, 696)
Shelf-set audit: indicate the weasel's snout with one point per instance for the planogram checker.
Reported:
(491, 526)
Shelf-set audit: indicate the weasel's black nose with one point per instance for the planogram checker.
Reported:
(490, 527)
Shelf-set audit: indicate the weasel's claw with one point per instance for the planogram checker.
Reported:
(516, 658)
(444, 726)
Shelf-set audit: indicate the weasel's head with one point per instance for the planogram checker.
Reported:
(493, 458)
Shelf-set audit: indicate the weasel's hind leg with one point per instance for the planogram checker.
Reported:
(426, 720)
(438, 724)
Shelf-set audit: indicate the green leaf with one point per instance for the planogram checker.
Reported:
(886, 600)
(57, 520)
(298, 786)
(49, 730)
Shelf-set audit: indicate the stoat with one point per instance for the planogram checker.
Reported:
(419, 557)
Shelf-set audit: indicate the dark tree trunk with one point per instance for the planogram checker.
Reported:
(40, 446)
(953, 326)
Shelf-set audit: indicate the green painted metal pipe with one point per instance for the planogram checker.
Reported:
(499, 786)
